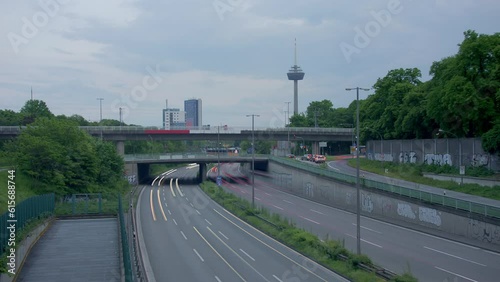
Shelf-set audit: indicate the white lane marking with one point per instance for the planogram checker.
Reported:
(310, 220)
(197, 211)
(278, 207)
(243, 191)
(223, 235)
(198, 255)
(177, 185)
(153, 183)
(493, 253)
(166, 204)
(369, 229)
(171, 187)
(159, 182)
(267, 194)
(317, 211)
(454, 256)
(275, 277)
(208, 221)
(287, 202)
(217, 278)
(215, 251)
(265, 244)
(151, 204)
(247, 255)
(234, 252)
(191, 205)
(258, 199)
(366, 241)
(453, 273)
(184, 235)
(187, 199)
(169, 213)
(161, 206)
(174, 221)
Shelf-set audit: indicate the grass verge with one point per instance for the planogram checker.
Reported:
(330, 253)
(413, 173)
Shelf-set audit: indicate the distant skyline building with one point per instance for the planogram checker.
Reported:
(173, 118)
(295, 74)
(193, 109)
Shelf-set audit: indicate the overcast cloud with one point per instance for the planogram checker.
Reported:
(233, 54)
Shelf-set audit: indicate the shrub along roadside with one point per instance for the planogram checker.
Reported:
(330, 253)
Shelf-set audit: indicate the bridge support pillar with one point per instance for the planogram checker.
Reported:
(315, 148)
(202, 172)
(120, 148)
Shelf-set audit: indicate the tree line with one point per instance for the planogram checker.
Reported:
(462, 98)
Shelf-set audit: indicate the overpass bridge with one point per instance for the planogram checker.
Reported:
(119, 134)
(137, 166)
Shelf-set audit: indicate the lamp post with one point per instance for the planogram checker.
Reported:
(218, 158)
(459, 151)
(358, 198)
(253, 159)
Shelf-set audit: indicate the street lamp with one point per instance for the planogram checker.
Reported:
(100, 113)
(253, 159)
(358, 198)
(459, 151)
(218, 158)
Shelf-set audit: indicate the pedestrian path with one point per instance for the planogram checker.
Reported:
(75, 250)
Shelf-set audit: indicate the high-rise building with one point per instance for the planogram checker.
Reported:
(192, 107)
(173, 118)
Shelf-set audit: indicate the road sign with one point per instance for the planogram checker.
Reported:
(322, 144)
(219, 180)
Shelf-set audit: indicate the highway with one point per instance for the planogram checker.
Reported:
(187, 237)
(398, 249)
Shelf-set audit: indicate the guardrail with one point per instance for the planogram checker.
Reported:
(423, 196)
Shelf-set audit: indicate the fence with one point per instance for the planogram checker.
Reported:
(25, 211)
(423, 196)
(127, 264)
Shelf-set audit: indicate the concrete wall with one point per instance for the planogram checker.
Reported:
(459, 179)
(467, 151)
(436, 220)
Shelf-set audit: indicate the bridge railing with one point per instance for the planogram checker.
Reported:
(429, 197)
(193, 130)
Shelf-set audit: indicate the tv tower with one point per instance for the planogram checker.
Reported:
(295, 74)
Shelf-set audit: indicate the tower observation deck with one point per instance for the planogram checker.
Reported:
(295, 73)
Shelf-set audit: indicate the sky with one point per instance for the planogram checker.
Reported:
(232, 54)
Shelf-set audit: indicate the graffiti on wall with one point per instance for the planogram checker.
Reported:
(405, 210)
(132, 179)
(429, 215)
(408, 157)
(479, 160)
(366, 203)
(484, 231)
(380, 157)
(438, 159)
(309, 190)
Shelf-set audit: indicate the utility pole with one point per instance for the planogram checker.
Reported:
(358, 196)
(253, 159)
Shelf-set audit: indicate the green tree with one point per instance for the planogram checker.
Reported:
(32, 110)
(9, 118)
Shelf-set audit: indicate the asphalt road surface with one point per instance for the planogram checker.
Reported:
(395, 248)
(188, 237)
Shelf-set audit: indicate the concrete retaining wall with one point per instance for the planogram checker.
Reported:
(465, 179)
(467, 228)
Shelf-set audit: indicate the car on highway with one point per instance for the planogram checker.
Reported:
(319, 159)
